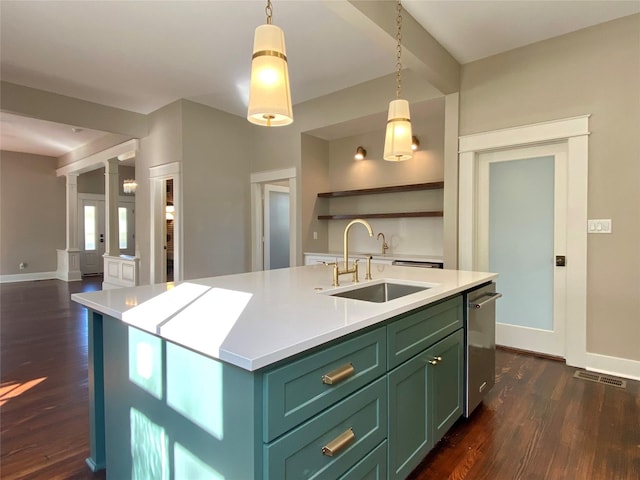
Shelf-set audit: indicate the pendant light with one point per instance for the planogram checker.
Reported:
(269, 94)
(397, 141)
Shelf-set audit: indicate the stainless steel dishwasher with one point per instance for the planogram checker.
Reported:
(480, 354)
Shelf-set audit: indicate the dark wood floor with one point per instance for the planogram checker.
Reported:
(537, 422)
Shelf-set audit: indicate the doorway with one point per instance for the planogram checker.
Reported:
(521, 228)
(573, 133)
(92, 226)
(276, 227)
(170, 212)
(285, 178)
(166, 181)
(92, 231)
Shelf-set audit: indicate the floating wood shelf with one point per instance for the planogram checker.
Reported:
(377, 190)
(381, 215)
(374, 191)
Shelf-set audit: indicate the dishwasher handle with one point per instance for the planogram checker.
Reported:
(492, 298)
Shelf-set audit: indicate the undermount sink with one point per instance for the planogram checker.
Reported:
(380, 292)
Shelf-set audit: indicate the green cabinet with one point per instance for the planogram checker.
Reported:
(329, 444)
(446, 383)
(371, 467)
(366, 407)
(419, 329)
(418, 357)
(300, 389)
(409, 427)
(425, 400)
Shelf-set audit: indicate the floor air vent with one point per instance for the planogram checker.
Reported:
(596, 377)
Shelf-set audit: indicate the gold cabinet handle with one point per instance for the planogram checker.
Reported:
(339, 374)
(339, 443)
(435, 360)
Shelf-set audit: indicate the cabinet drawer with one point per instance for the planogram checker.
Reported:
(295, 392)
(371, 467)
(299, 454)
(419, 330)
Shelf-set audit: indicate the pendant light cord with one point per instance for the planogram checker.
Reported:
(399, 50)
(269, 11)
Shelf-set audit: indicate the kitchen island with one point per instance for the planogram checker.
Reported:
(266, 375)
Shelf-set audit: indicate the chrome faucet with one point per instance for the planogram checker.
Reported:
(385, 245)
(354, 269)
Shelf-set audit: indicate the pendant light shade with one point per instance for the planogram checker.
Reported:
(269, 95)
(397, 141)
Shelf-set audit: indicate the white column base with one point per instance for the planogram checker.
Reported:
(121, 271)
(69, 265)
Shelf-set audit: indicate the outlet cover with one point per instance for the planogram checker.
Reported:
(602, 225)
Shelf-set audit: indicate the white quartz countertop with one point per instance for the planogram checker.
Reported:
(253, 320)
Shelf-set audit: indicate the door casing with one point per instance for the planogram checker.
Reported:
(574, 132)
(158, 175)
(258, 180)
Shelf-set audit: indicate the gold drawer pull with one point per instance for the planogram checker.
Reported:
(339, 374)
(339, 443)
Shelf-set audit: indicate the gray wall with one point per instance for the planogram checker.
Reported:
(216, 193)
(315, 179)
(162, 145)
(593, 71)
(93, 181)
(32, 210)
(283, 147)
(214, 149)
(421, 236)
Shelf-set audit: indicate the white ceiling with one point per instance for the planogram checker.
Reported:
(142, 55)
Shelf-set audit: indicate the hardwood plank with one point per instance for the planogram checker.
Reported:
(44, 431)
(538, 422)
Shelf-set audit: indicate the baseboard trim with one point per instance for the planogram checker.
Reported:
(615, 366)
(91, 463)
(529, 352)
(28, 277)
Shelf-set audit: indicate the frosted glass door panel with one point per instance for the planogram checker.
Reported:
(278, 229)
(521, 240)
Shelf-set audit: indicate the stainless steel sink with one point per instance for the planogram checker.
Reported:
(380, 292)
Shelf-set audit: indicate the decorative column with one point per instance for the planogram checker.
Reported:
(112, 191)
(69, 259)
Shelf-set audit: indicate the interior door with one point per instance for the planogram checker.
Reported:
(521, 229)
(92, 231)
(276, 227)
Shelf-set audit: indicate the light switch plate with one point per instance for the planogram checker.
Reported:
(602, 225)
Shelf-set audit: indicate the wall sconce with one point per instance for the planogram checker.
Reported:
(129, 186)
(360, 153)
(170, 212)
(415, 143)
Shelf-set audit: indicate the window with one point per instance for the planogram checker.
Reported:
(122, 227)
(89, 227)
